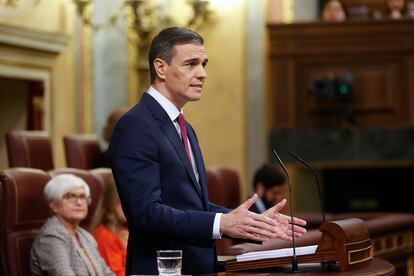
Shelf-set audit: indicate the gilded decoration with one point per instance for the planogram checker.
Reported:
(143, 20)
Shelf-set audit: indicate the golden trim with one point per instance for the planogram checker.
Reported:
(86, 93)
(358, 242)
(53, 43)
(21, 65)
(359, 250)
(132, 60)
(288, 11)
(11, 3)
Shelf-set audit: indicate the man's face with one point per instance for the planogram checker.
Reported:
(272, 196)
(185, 75)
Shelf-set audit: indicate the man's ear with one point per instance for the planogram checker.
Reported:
(160, 67)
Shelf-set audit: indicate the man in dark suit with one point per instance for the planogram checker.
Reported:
(160, 173)
(269, 185)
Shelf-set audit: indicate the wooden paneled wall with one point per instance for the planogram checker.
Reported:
(372, 5)
(379, 55)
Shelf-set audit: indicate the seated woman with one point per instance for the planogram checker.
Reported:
(110, 231)
(103, 160)
(62, 247)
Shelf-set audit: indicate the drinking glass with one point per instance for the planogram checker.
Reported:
(169, 262)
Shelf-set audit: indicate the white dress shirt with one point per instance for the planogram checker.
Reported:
(260, 205)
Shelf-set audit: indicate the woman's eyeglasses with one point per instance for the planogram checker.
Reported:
(73, 198)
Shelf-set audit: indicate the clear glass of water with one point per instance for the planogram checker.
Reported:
(169, 262)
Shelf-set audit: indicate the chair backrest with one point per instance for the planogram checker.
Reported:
(230, 184)
(31, 149)
(23, 211)
(223, 187)
(215, 192)
(82, 151)
(103, 174)
(95, 184)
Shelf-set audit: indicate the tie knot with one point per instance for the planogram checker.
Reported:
(181, 120)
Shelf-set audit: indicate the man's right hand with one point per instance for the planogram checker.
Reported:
(242, 223)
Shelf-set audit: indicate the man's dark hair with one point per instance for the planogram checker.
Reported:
(269, 175)
(162, 46)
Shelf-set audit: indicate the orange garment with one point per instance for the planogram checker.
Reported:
(111, 249)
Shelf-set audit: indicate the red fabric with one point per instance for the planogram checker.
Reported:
(111, 249)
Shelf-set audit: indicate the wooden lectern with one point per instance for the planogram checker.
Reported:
(345, 242)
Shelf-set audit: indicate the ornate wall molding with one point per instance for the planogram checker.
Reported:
(46, 42)
(86, 75)
(30, 55)
(34, 55)
(132, 60)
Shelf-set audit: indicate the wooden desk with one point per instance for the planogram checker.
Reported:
(378, 53)
(375, 267)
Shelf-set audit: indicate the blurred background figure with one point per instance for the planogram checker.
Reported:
(333, 11)
(103, 160)
(62, 247)
(395, 8)
(110, 230)
(268, 184)
(410, 9)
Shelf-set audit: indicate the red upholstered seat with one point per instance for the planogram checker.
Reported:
(23, 212)
(31, 149)
(103, 174)
(230, 184)
(224, 187)
(215, 192)
(82, 151)
(224, 190)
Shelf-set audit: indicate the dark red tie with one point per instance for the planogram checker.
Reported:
(183, 130)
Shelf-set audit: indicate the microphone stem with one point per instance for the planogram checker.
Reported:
(316, 179)
(294, 258)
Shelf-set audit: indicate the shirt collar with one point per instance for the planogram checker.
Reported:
(165, 103)
(260, 205)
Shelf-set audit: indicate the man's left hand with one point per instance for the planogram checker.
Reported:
(285, 222)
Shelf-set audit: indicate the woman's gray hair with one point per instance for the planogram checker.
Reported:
(61, 184)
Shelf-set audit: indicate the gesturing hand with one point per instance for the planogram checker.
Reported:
(284, 221)
(241, 223)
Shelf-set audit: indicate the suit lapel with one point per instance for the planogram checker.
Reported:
(171, 132)
(199, 163)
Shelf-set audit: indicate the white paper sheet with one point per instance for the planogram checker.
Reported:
(277, 253)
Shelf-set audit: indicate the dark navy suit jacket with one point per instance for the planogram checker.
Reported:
(164, 205)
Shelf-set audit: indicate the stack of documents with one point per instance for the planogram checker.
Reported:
(278, 253)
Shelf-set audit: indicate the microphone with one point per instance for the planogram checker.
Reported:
(294, 258)
(316, 179)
